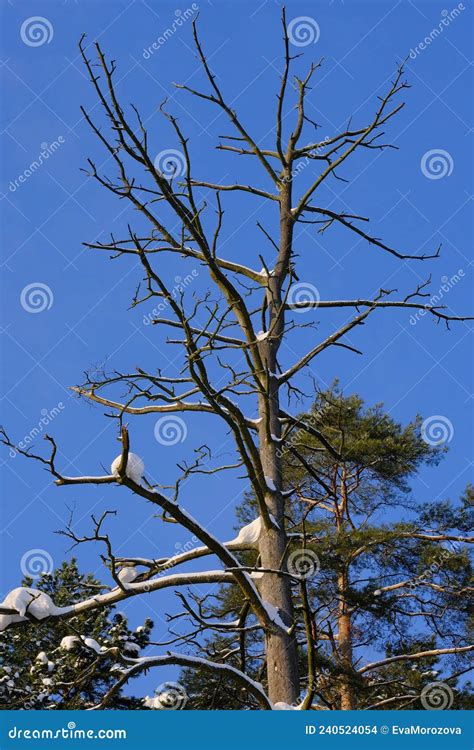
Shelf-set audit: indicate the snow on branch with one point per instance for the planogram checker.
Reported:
(415, 657)
(240, 576)
(146, 662)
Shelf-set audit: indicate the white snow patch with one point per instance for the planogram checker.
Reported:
(26, 600)
(69, 642)
(92, 644)
(270, 484)
(274, 614)
(127, 575)
(152, 702)
(249, 535)
(282, 706)
(43, 659)
(135, 467)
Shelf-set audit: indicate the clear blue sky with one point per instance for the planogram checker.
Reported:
(412, 368)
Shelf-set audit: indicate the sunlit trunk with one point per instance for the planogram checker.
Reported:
(281, 652)
(345, 646)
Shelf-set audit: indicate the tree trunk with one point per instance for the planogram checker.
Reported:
(281, 650)
(281, 653)
(345, 646)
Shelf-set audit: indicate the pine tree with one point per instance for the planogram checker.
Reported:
(367, 585)
(58, 664)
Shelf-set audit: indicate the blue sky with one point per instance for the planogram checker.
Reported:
(46, 217)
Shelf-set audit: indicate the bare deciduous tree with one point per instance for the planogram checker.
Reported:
(229, 340)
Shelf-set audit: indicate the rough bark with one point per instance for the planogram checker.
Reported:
(345, 647)
(282, 661)
(282, 657)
